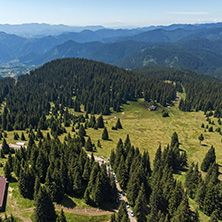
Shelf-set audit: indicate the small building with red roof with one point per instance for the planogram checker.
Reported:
(3, 184)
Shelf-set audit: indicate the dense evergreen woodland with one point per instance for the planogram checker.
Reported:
(202, 92)
(48, 171)
(154, 194)
(75, 82)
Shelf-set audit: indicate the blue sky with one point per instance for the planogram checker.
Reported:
(110, 13)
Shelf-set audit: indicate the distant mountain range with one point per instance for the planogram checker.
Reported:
(195, 47)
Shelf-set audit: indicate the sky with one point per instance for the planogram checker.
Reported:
(110, 13)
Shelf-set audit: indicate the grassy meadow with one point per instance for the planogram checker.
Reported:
(148, 129)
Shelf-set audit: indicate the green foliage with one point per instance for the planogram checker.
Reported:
(105, 135)
(61, 217)
(122, 213)
(44, 210)
(140, 205)
(100, 122)
(118, 124)
(5, 147)
(192, 180)
(23, 137)
(183, 212)
(201, 137)
(174, 140)
(209, 158)
(7, 171)
(89, 145)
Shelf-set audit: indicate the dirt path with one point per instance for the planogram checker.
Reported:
(79, 211)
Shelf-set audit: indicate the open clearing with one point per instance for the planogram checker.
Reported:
(148, 129)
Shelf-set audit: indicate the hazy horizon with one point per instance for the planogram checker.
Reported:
(109, 26)
(116, 13)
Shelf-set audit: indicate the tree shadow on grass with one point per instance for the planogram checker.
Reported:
(204, 145)
(67, 202)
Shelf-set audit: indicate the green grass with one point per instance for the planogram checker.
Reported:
(148, 129)
(70, 217)
(84, 218)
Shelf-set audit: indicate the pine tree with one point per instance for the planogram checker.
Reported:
(77, 182)
(140, 205)
(82, 131)
(121, 173)
(174, 140)
(23, 137)
(209, 200)
(22, 184)
(105, 135)
(86, 196)
(61, 217)
(118, 124)
(97, 193)
(127, 141)
(175, 199)
(214, 217)
(113, 218)
(36, 188)
(201, 138)
(2, 155)
(100, 122)
(112, 158)
(183, 212)
(44, 210)
(122, 213)
(7, 171)
(193, 178)
(209, 158)
(87, 169)
(200, 195)
(5, 147)
(89, 145)
(99, 144)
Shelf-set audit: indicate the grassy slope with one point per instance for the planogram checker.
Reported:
(148, 129)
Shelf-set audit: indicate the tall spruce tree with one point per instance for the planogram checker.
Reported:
(89, 145)
(122, 213)
(44, 210)
(183, 212)
(118, 124)
(5, 147)
(61, 217)
(7, 171)
(100, 122)
(105, 135)
(140, 207)
(209, 158)
(174, 140)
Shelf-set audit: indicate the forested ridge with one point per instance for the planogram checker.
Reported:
(202, 92)
(75, 82)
